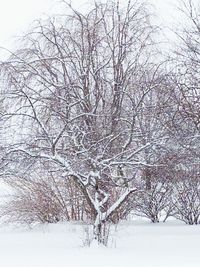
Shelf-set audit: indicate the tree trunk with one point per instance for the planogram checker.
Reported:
(98, 229)
(147, 176)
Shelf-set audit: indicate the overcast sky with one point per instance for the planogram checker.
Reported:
(16, 15)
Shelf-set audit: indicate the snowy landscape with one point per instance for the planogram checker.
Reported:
(135, 243)
(100, 135)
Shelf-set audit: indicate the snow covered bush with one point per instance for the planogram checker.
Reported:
(186, 200)
(155, 203)
(44, 199)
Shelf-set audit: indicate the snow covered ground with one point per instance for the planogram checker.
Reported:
(134, 244)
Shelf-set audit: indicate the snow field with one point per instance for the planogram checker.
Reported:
(133, 244)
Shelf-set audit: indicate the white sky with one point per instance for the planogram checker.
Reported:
(16, 15)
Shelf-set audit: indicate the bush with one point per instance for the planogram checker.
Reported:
(47, 200)
(154, 203)
(186, 200)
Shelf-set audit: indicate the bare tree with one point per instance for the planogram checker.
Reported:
(186, 80)
(77, 85)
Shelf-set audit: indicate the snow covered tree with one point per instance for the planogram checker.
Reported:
(186, 82)
(77, 86)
